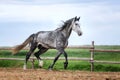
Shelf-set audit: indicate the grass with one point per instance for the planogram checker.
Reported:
(73, 65)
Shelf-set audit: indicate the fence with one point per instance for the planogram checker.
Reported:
(91, 59)
(105, 62)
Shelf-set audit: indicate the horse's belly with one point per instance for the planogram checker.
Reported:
(47, 44)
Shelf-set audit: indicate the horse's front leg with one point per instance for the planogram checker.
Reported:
(66, 60)
(56, 58)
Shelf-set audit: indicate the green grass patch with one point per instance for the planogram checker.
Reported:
(73, 65)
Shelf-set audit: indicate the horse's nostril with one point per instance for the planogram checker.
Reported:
(80, 34)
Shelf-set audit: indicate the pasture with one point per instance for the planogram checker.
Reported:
(73, 64)
(77, 69)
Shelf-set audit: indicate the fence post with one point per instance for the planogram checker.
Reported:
(92, 57)
(32, 63)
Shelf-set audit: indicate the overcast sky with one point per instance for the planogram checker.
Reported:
(100, 20)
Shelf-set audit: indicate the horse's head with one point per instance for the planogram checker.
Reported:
(71, 24)
(76, 26)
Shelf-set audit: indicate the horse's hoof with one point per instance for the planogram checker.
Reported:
(41, 64)
(65, 65)
(50, 69)
(24, 67)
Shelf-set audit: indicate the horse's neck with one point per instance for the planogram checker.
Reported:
(67, 31)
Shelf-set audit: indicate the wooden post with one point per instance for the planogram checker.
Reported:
(32, 63)
(32, 60)
(92, 57)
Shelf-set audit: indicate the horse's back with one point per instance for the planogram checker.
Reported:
(47, 39)
(50, 39)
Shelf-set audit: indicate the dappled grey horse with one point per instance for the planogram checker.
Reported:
(57, 39)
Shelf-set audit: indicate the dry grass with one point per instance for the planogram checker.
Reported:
(40, 74)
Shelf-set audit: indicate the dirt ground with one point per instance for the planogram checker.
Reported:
(40, 74)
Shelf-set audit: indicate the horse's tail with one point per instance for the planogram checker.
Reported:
(17, 48)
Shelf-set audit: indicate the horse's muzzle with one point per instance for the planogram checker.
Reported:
(80, 34)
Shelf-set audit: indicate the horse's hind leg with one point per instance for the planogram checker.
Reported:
(37, 54)
(32, 48)
(39, 59)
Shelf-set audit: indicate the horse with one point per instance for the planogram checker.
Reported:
(56, 39)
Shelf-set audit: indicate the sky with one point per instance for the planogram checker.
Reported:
(100, 20)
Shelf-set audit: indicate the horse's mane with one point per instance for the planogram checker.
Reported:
(65, 24)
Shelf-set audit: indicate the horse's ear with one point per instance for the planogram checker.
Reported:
(78, 19)
(75, 18)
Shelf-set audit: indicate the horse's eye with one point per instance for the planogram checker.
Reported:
(76, 24)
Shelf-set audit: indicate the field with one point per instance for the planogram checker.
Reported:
(77, 69)
(73, 65)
